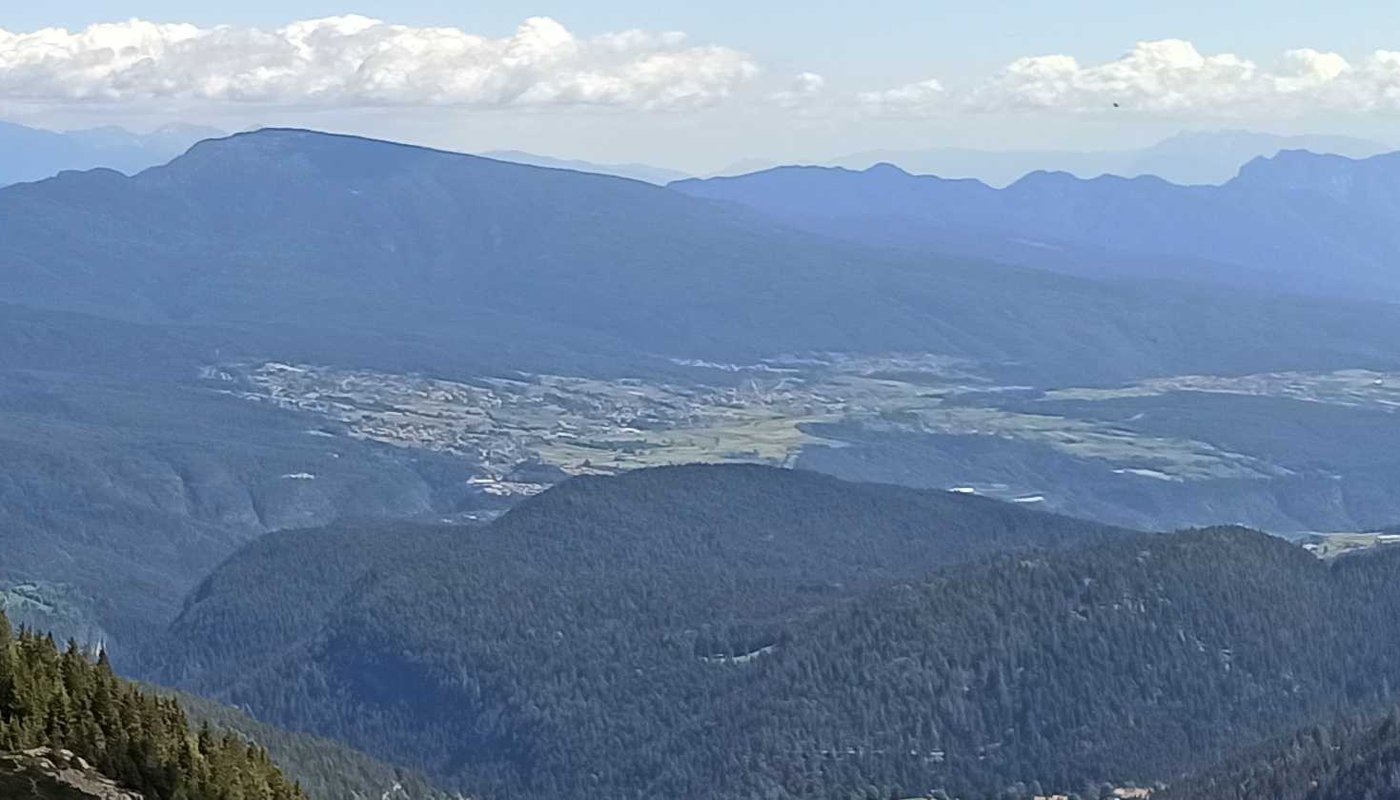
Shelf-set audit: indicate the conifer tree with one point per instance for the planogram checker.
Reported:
(60, 699)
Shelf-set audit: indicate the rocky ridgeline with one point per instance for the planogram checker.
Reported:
(47, 774)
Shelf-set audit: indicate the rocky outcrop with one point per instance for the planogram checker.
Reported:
(47, 774)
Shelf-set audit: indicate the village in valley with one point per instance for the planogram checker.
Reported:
(521, 432)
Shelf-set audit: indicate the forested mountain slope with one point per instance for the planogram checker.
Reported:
(560, 639)
(323, 768)
(721, 632)
(59, 700)
(1126, 663)
(123, 481)
(1351, 760)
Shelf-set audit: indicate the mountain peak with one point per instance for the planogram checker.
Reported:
(268, 151)
(886, 168)
(281, 138)
(1304, 170)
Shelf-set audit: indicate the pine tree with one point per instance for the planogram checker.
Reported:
(61, 699)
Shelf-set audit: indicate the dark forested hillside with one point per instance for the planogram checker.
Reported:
(723, 632)
(1123, 663)
(123, 482)
(323, 768)
(563, 635)
(59, 699)
(1351, 760)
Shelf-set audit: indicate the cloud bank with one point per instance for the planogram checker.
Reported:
(353, 61)
(1168, 78)
(356, 61)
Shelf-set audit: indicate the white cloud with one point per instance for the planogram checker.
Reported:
(356, 61)
(352, 61)
(1164, 76)
(915, 99)
(1170, 77)
(806, 87)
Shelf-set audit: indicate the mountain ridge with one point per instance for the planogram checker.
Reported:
(283, 228)
(1123, 657)
(1187, 158)
(708, 563)
(44, 153)
(1275, 225)
(641, 172)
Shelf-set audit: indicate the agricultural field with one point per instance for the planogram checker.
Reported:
(1333, 545)
(1354, 388)
(520, 432)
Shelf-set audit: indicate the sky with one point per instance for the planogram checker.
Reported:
(699, 85)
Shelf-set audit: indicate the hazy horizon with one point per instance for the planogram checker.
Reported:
(1019, 161)
(699, 89)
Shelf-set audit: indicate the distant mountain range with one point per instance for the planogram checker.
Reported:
(1193, 157)
(297, 233)
(1189, 158)
(637, 172)
(31, 154)
(1320, 224)
(1201, 157)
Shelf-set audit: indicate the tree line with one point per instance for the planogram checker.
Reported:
(60, 698)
